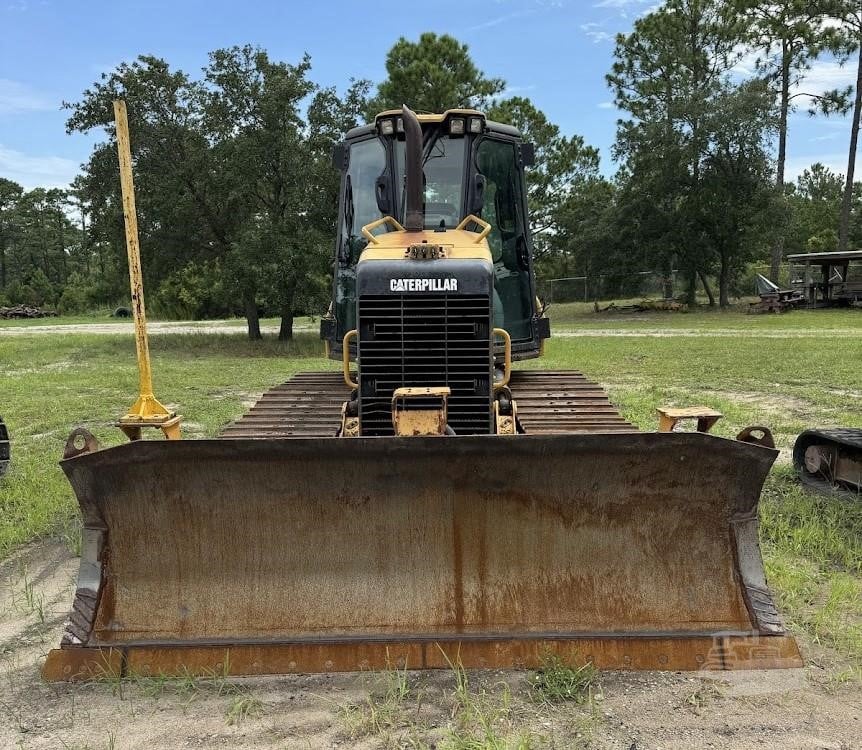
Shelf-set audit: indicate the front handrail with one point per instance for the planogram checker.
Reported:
(369, 228)
(507, 341)
(472, 218)
(345, 358)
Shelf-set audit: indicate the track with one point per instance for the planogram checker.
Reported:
(309, 405)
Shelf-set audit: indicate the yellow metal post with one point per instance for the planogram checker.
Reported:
(146, 411)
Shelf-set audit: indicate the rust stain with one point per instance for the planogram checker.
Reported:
(457, 570)
(368, 541)
(676, 654)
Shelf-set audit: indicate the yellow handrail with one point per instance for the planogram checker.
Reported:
(472, 218)
(507, 340)
(368, 228)
(345, 358)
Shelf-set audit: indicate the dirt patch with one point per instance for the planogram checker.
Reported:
(661, 333)
(629, 711)
(128, 329)
(777, 404)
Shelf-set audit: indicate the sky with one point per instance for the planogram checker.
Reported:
(556, 52)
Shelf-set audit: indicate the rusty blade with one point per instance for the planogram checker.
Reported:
(371, 540)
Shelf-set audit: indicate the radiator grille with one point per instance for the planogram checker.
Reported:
(425, 340)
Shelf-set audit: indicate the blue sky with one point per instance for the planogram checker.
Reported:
(554, 51)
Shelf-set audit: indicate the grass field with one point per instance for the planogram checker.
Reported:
(787, 372)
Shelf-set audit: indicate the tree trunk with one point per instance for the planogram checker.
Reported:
(667, 277)
(252, 317)
(285, 331)
(847, 199)
(778, 244)
(706, 288)
(691, 292)
(723, 282)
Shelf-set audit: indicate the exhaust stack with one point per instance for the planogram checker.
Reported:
(414, 189)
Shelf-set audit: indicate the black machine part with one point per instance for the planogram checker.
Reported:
(414, 190)
(831, 458)
(4, 448)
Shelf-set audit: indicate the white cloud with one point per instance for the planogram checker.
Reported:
(823, 76)
(16, 98)
(827, 137)
(36, 171)
(514, 91)
(606, 105)
(836, 161)
(490, 23)
(619, 3)
(598, 36)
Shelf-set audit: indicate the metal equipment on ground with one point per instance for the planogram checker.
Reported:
(829, 459)
(773, 299)
(5, 452)
(429, 503)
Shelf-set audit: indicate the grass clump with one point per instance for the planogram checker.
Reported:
(706, 693)
(383, 712)
(483, 720)
(557, 681)
(243, 707)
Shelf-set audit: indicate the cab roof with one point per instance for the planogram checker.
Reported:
(432, 118)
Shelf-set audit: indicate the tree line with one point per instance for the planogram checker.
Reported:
(237, 198)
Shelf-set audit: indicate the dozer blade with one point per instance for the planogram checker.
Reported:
(314, 554)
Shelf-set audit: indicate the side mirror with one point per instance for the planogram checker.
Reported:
(477, 200)
(528, 154)
(340, 157)
(382, 191)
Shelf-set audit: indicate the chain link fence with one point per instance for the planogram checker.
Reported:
(606, 287)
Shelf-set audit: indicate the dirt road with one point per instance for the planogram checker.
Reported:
(811, 708)
(559, 331)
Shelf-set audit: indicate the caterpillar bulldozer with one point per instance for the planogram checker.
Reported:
(429, 501)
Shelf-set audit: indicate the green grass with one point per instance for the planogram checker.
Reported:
(812, 547)
(54, 383)
(577, 315)
(557, 681)
(104, 316)
(813, 555)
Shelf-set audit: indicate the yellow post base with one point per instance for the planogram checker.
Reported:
(148, 412)
(170, 427)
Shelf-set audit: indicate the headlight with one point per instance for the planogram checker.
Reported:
(456, 126)
(387, 127)
(476, 125)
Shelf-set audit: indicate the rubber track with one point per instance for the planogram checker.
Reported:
(309, 405)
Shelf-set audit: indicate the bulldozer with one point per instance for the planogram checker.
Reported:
(430, 501)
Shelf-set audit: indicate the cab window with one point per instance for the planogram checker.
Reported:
(358, 208)
(503, 209)
(367, 163)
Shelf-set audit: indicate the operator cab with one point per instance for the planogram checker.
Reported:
(470, 166)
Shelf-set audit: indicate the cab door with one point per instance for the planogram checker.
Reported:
(366, 163)
(504, 208)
